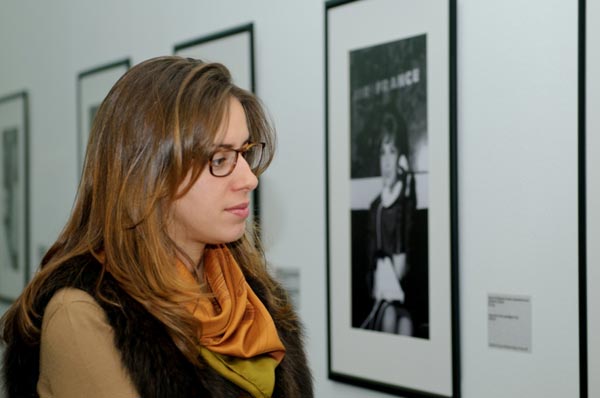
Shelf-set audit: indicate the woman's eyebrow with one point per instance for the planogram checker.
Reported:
(230, 146)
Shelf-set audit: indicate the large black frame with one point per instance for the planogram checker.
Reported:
(336, 164)
(19, 126)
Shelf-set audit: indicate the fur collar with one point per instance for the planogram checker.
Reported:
(156, 366)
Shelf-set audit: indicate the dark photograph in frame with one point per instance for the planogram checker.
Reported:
(392, 267)
(234, 48)
(14, 195)
(93, 85)
(388, 153)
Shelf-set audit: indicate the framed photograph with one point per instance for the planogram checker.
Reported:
(14, 195)
(391, 196)
(589, 155)
(233, 48)
(92, 87)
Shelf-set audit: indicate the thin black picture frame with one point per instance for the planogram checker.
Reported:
(582, 210)
(198, 48)
(589, 217)
(101, 79)
(331, 176)
(22, 269)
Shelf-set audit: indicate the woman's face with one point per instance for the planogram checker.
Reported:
(215, 209)
(388, 160)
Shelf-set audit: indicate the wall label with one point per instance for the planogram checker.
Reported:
(509, 322)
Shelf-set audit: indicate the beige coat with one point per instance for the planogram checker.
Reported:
(78, 358)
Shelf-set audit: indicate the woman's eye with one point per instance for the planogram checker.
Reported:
(218, 160)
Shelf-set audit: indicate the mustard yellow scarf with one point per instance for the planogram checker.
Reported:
(238, 337)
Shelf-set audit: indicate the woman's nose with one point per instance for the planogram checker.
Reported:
(245, 177)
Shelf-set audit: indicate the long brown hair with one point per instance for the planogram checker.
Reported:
(157, 124)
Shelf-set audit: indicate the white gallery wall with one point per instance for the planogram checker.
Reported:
(517, 155)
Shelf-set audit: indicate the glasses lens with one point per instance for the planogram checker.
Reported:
(222, 162)
(254, 155)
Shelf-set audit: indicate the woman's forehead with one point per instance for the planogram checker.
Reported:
(388, 139)
(233, 131)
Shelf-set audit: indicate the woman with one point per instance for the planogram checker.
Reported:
(391, 217)
(157, 286)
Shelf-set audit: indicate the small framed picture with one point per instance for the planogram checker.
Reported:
(14, 195)
(234, 48)
(92, 87)
(391, 196)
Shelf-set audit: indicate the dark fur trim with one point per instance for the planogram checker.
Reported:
(156, 366)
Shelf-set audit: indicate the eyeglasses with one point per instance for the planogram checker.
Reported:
(223, 161)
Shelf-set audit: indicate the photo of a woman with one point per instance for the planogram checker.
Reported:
(391, 217)
(389, 183)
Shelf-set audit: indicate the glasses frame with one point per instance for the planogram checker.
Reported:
(243, 150)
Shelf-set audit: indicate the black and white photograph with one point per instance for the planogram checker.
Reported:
(388, 130)
(13, 195)
(391, 197)
(93, 85)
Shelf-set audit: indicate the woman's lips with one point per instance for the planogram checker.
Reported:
(241, 210)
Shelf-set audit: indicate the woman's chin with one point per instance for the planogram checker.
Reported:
(234, 236)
